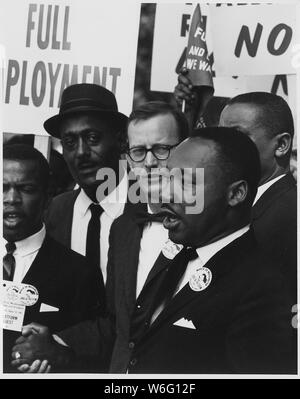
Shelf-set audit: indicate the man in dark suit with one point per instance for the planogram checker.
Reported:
(267, 119)
(91, 131)
(65, 283)
(218, 306)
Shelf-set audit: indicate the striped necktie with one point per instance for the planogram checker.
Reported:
(9, 262)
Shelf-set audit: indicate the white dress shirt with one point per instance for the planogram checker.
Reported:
(264, 187)
(153, 239)
(25, 253)
(113, 206)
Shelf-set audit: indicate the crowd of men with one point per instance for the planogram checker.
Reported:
(149, 286)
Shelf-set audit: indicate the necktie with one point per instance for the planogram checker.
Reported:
(173, 275)
(9, 262)
(92, 251)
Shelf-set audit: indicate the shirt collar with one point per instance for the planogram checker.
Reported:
(112, 204)
(264, 187)
(208, 251)
(149, 210)
(83, 202)
(30, 244)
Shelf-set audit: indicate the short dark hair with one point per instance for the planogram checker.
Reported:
(24, 152)
(237, 155)
(276, 115)
(154, 108)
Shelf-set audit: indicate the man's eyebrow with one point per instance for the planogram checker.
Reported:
(27, 182)
(85, 131)
(144, 146)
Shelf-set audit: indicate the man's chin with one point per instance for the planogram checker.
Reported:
(88, 182)
(176, 237)
(13, 234)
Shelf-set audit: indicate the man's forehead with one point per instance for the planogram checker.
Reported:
(20, 169)
(77, 122)
(158, 126)
(239, 114)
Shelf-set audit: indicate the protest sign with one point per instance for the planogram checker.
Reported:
(244, 40)
(50, 45)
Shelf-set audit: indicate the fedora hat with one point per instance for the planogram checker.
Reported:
(86, 97)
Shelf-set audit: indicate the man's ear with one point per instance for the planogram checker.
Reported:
(237, 192)
(283, 144)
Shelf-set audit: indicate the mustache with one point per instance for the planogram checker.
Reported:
(85, 160)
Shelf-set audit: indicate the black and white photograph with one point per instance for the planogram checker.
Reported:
(149, 201)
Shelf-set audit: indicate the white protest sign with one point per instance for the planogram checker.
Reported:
(50, 45)
(253, 39)
(169, 41)
(246, 40)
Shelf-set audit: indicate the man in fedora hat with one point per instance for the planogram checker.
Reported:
(90, 129)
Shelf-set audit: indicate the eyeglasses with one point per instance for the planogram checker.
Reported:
(159, 151)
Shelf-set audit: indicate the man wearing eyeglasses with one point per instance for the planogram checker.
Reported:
(139, 243)
(154, 130)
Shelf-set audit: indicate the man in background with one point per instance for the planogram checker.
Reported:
(267, 119)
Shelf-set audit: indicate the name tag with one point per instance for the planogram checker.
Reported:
(14, 299)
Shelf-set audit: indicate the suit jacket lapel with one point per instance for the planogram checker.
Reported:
(278, 188)
(160, 264)
(38, 270)
(219, 264)
(130, 250)
(129, 253)
(59, 218)
(67, 226)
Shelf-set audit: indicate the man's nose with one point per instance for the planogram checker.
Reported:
(82, 148)
(150, 161)
(12, 196)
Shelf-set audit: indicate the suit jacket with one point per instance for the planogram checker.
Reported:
(274, 221)
(104, 343)
(59, 216)
(64, 281)
(99, 338)
(241, 323)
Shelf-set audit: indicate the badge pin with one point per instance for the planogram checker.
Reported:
(170, 249)
(19, 293)
(29, 295)
(201, 279)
